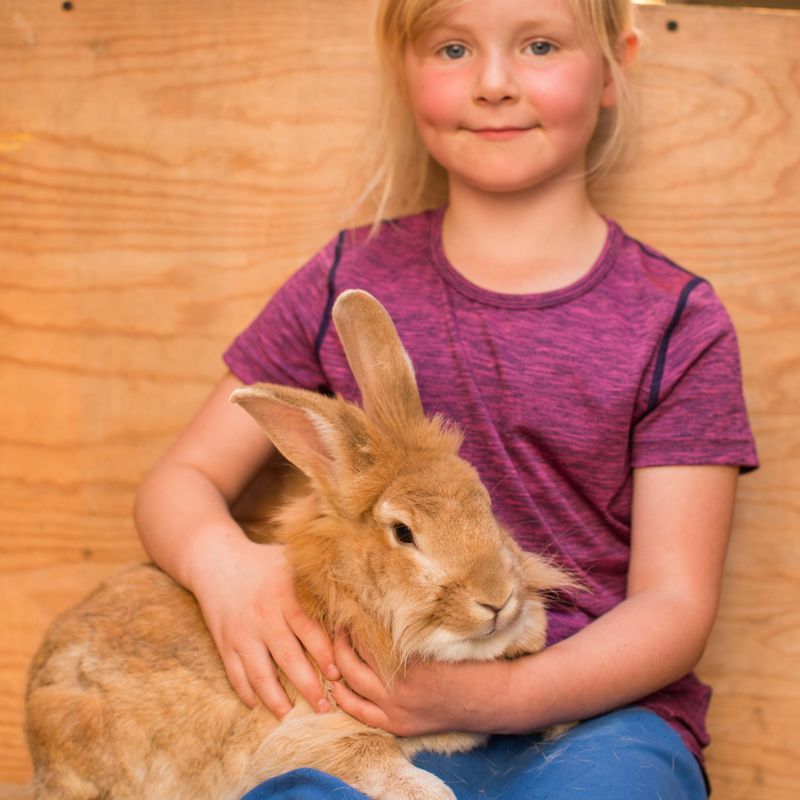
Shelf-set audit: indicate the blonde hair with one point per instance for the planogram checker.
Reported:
(403, 176)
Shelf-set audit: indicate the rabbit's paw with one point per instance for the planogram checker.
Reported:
(555, 731)
(406, 783)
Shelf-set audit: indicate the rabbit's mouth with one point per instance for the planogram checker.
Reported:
(519, 631)
(500, 618)
(500, 624)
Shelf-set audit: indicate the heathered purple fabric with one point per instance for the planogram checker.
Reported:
(559, 394)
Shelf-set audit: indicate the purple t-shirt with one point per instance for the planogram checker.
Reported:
(559, 394)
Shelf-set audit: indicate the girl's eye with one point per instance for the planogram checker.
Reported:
(454, 51)
(402, 533)
(541, 48)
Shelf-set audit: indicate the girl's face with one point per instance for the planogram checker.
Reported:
(505, 94)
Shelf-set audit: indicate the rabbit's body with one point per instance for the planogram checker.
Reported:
(395, 543)
(128, 698)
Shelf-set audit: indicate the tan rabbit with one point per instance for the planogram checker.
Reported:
(395, 542)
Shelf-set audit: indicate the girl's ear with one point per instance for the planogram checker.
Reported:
(625, 52)
(380, 363)
(314, 432)
(627, 48)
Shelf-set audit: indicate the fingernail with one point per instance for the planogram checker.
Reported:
(332, 672)
(323, 706)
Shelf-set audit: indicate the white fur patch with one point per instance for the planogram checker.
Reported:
(445, 645)
(405, 782)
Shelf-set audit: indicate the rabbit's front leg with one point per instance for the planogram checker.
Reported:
(446, 743)
(368, 759)
(400, 780)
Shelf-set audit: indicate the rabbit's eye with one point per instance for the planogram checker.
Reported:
(403, 533)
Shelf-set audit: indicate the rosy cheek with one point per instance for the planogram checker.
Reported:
(436, 100)
(561, 94)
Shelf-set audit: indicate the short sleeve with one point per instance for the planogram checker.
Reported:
(694, 407)
(281, 344)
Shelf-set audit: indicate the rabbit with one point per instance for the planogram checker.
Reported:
(395, 542)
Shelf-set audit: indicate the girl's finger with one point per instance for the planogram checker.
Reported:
(263, 678)
(366, 656)
(292, 659)
(237, 677)
(360, 676)
(316, 641)
(359, 707)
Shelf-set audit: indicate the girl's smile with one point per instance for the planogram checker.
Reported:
(500, 134)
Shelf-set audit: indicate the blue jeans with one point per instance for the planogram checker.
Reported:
(631, 754)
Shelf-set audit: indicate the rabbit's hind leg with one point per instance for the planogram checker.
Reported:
(61, 727)
(65, 784)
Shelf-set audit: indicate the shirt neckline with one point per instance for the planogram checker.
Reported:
(553, 297)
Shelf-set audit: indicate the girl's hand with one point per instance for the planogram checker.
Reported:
(428, 698)
(246, 593)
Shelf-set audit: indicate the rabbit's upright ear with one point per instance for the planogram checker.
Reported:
(380, 363)
(313, 432)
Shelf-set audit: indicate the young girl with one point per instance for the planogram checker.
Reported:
(597, 384)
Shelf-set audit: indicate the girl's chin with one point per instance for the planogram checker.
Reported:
(503, 180)
(495, 185)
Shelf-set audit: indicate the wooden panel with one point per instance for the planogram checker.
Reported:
(715, 182)
(163, 168)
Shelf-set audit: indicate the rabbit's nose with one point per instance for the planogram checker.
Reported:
(495, 609)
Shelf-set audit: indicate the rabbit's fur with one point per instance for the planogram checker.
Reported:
(127, 695)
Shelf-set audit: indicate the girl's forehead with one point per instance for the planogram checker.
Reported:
(451, 11)
(561, 18)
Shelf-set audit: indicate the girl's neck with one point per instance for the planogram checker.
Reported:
(521, 243)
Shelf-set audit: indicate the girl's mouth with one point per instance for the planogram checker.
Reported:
(499, 134)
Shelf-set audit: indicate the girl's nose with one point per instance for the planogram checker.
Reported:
(496, 80)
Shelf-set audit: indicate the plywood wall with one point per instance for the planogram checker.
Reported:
(163, 168)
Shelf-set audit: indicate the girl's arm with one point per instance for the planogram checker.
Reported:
(245, 590)
(681, 524)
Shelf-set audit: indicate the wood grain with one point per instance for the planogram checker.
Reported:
(165, 166)
(715, 182)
